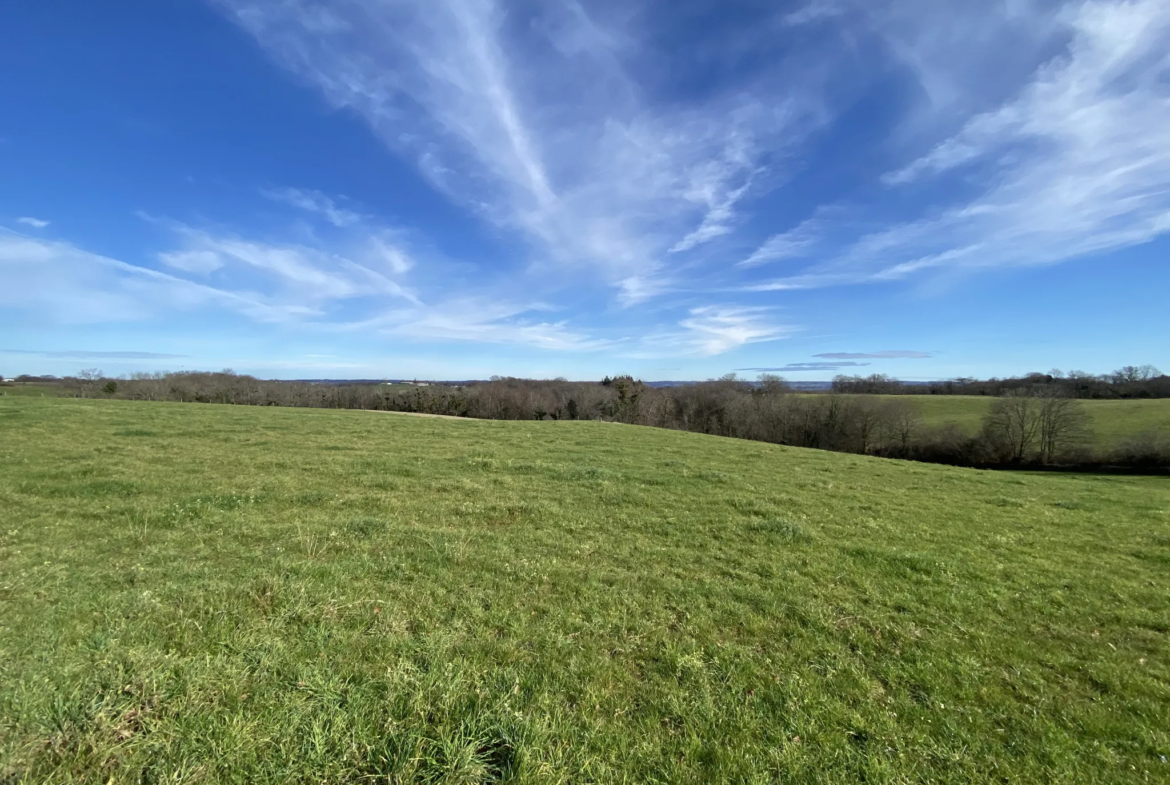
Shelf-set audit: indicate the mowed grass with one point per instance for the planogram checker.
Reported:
(193, 593)
(1112, 422)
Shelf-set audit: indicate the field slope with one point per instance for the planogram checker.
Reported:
(193, 593)
(1112, 422)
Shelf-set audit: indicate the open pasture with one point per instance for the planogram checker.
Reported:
(196, 593)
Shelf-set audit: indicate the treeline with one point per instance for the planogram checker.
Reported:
(1131, 381)
(1036, 425)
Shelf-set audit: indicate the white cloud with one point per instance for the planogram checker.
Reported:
(315, 202)
(69, 285)
(1076, 163)
(538, 125)
(362, 236)
(815, 11)
(192, 261)
(476, 320)
(35, 223)
(714, 329)
(397, 259)
(793, 243)
(965, 56)
(302, 273)
(889, 354)
(62, 282)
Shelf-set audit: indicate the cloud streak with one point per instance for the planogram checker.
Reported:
(78, 354)
(314, 202)
(61, 281)
(806, 367)
(898, 354)
(1076, 163)
(534, 121)
(711, 330)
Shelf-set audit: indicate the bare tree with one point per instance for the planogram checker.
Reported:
(1063, 424)
(89, 378)
(902, 421)
(1013, 424)
(1039, 420)
(1134, 373)
(771, 384)
(867, 422)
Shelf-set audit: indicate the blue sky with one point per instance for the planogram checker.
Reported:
(461, 188)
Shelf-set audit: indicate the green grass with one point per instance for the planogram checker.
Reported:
(33, 391)
(193, 593)
(1111, 421)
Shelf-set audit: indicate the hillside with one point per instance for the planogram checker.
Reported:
(1112, 421)
(199, 593)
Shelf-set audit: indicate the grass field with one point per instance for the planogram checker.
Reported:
(194, 593)
(1111, 421)
(32, 391)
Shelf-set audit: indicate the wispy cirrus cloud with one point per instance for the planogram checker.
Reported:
(710, 330)
(36, 223)
(482, 320)
(532, 117)
(296, 285)
(806, 367)
(80, 354)
(896, 354)
(73, 286)
(315, 202)
(1074, 163)
(192, 261)
(310, 274)
(363, 259)
(794, 243)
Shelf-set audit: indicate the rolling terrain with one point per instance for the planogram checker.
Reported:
(201, 593)
(1111, 421)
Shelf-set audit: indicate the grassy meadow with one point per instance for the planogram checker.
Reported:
(202, 594)
(1112, 421)
(33, 391)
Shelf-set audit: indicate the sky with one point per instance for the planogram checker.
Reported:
(674, 189)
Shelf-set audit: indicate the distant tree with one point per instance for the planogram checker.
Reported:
(902, 420)
(1013, 425)
(89, 378)
(110, 387)
(771, 384)
(1063, 424)
(629, 396)
(866, 421)
(874, 384)
(571, 408)
(1040, 421)
(1130, 374)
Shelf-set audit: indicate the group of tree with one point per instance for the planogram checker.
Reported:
(1130, 381)
(1031, 424)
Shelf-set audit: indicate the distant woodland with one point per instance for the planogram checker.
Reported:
(1034, 421)
(1132, 381)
